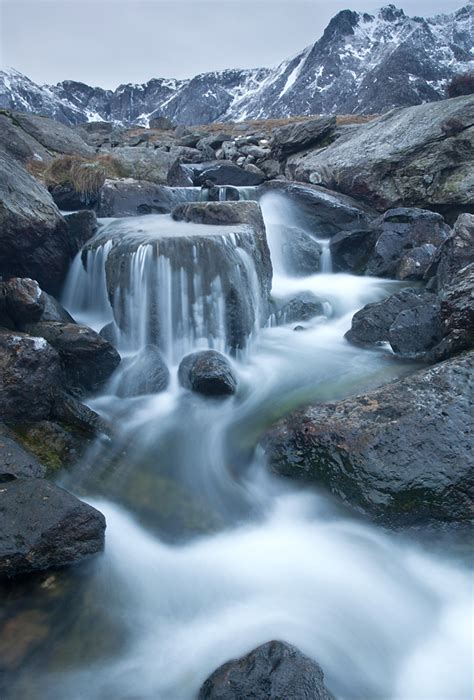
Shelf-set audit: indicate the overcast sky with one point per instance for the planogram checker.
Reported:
(107, 42)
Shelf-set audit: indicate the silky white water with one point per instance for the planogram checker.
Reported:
(387, 616)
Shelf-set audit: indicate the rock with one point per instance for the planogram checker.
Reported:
(351, 250)
(145, 163)
(82, 226)
(273, 671)
(322, 212)
(218, 172)
(219, 194)
(87, 358)
(15, 461)
(111, 333)
(52, 135)
(23, 301)
(414, 264)
(455, 253)
(299, 136)
(417, 329)
(456, 315)
(221, 213)
(30, 373)
(45, 527)
(301, 252)
(128, 197)
(18, 144)
(33, 235)
(53, 311)
(399, 231)
(391, 453)
(160, 123)
(68, 410)
(68, 199)
(407, 157)
(371, 325)
(302, 307)
(145, 373)
(207, 372)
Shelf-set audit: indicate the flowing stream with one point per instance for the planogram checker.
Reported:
(207, 554)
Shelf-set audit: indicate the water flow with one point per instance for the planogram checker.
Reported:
(208, 555)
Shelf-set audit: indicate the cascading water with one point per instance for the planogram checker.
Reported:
(207, 554)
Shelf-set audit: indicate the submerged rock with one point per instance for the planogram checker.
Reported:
(273, 671)
(207, 372)
(145, 373)
(44, 526)
(401, 454)
(302, 307)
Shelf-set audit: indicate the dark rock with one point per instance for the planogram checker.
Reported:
(145, 373)
(417, 329)
(68, 199)
(226, 194)
(45, 527)
(160, 123)
(399, 231)
(110, 333)
(127, 197)
(414, 264)
(30, 373)
(351, 250)
(299, 136)
(371, 325)
(33, 234)
(302, 307)
(301, 252)
(53, 311)
(273, 671)
(82, 226)
(390, 453)
(221, 213)
(87, 358)
(218, 172)
(68, 410)
(15, 461)
(23, 301)
(207, 372)
(454, 254)
(52, 135)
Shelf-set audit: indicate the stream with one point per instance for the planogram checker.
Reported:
(207, 553)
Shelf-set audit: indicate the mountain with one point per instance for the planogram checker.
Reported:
(363, 64)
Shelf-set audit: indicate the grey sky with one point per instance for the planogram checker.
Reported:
(107, 42)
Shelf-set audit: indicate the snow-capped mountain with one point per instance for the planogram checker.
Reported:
(362, 64)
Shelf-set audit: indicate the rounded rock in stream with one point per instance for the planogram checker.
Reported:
(145, 373)
(273, 671)
(207, 372)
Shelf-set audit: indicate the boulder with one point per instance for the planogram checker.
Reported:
(145, 163)
(82, 226)
(455, 253)
(456, 315)
(45, 527)
(207, 372)
(15, 461)
(301, 253)
(371, 325)
(299, 136)
(398, 232)
(221, 214)
(145, 373)
(30, 374)
(273, 671)
(160, 123)
(34, 238)
(351, 250)
(128, 197)
(218, 172)
(401, 454)
(407, 157)
(52, 135)
(303, 307)
(87, 358)
(417, 329)
(22, 301)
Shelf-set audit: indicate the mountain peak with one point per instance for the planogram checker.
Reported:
(391, 13)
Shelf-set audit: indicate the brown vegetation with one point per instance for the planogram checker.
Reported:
(85, 175)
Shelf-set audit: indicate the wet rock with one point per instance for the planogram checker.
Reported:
(417, 329)
(390, 453)
(407, 157)
(30, 373)
(82, 226)
(55, 445)
(299, 136)
(68, 410)
(371, 325)
(15, 461)
(207, 372)
(221, 214)
(145, 373)
(53, 311)
(87, 358)
(110, 332)
(273, 671)
(23, 301)
(45, 527)
(398, 232)
(454, 254)
(351, 250)
(218, 172)
(456, 315)
(34, 240)
(68, 199)
(128, 197)
(301, 252)
(302, 307)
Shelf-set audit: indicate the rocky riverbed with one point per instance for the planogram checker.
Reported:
(182, 309)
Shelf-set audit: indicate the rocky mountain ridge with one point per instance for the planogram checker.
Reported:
(362, 64)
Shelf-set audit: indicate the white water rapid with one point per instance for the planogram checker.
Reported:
(207, 554)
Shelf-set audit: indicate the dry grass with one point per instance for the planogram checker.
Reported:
(85, 175)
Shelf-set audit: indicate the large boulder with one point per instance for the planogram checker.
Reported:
(418, 329)
(351, 250)
(54, 136)
(406, 241)
(34, 239)
(15, 461)
(217, 172)
(145, 163)
(144, 373)
(82, 226)
(30, 374)
(207, 372)
(419, 156)
(273, 671)
(299, 136)
(302, 307)
(87, 358)
(44, 526)
(454, 254)
(401, 454)
(128, 197)
(22, 302)
(456, 315)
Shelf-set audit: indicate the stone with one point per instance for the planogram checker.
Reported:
(417, 329)
(207, 372)
(274, 671)
(303, 307)
(23, 301)
(218, 172)
(351, 250)
(145, 373)
(456, 252)
(82, 226)
(160, 123)
(45, 527)
(401, 454)
(413, 265)
(15, 461)
(300, 251)
(299, 136)
(128, 197)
